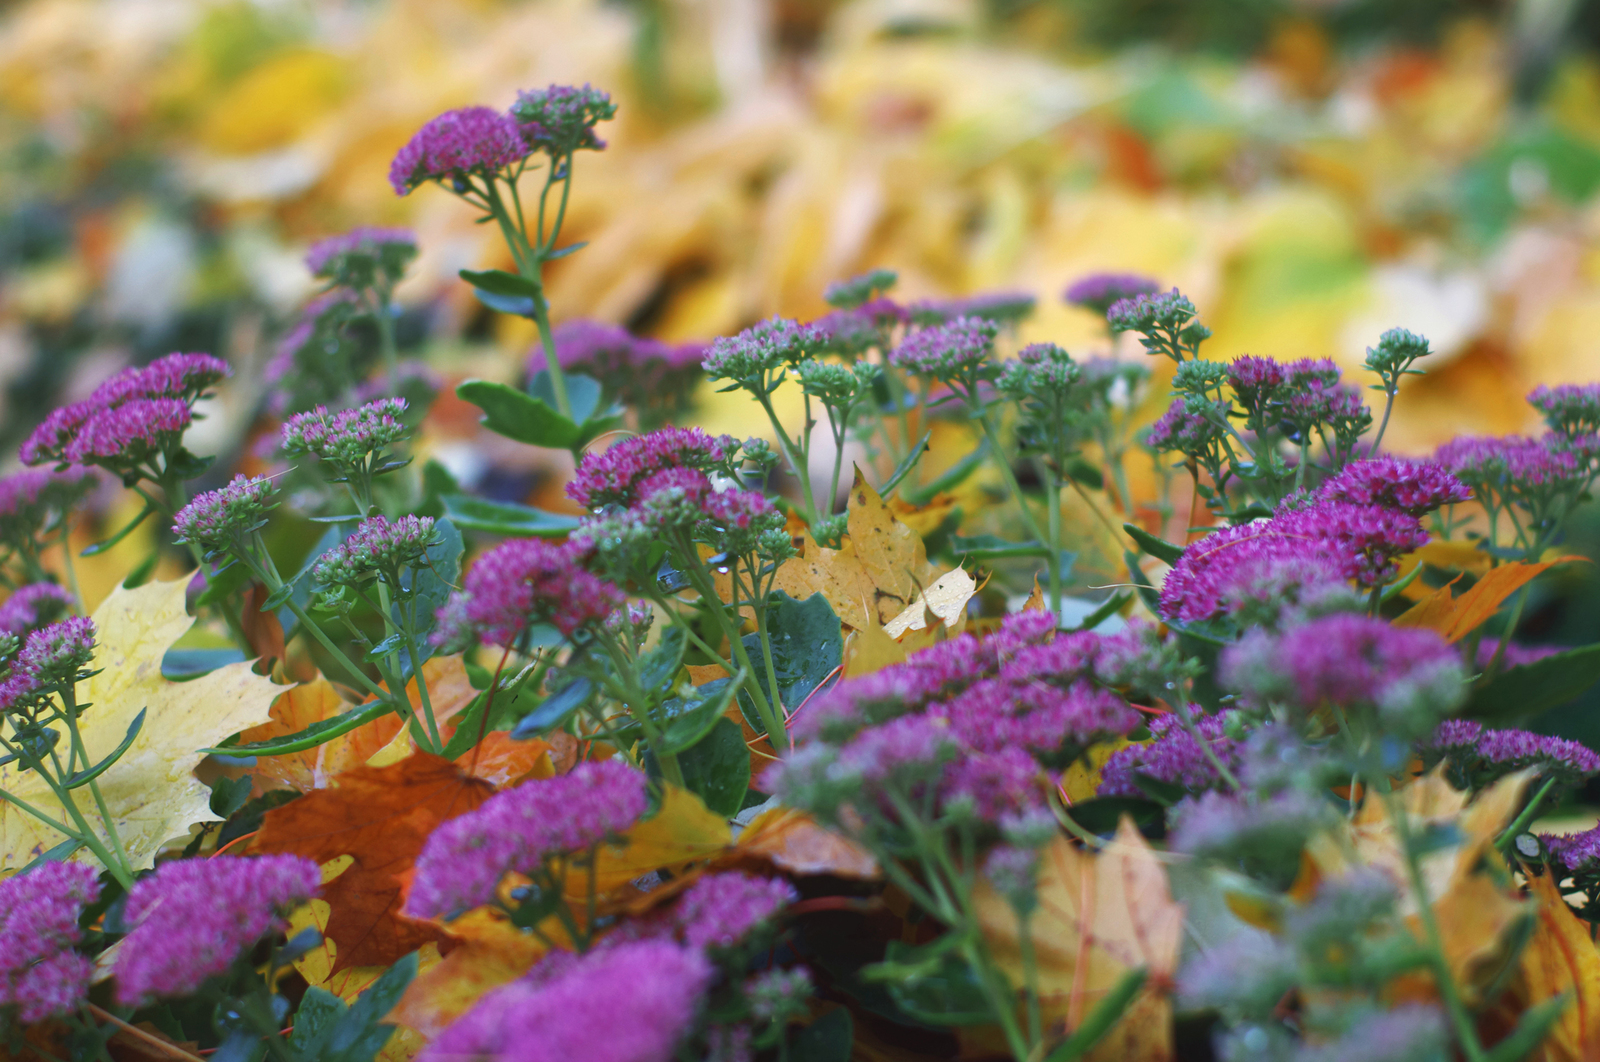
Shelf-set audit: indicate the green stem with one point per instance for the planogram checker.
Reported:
(1030, 978)
(69, 704)
(1053, 520)
(758, 604)
(1505, 635)
(386, 342)
(1388, 407)
(776, 732)
(798, 456)
(268, 575)
(66, 562)
(422, 685)
(1520, 825)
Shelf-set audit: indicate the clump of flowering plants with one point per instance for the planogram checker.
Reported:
(730, 762)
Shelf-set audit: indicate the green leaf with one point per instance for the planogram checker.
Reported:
(505, 518)
(298, 586)
(437, 481)
(358, 1034)
(690, 719)
(499, 282)
(564, 251)
(992, 547)
(228, 795)
(316, 734)
(1100, 815)
(905, 467)
(181, 665)
(951, 478)
(1536, 687)
(520, 416)
(1101, 1018)
(223, 584)
(58, 854)
(319, 1011)
(106, 544)
(1080, 471)
(583, 393)
(806, 646)
(431, 587)
(555, 710)
(1159, 548)
(717, 768)
(931, 983)
(827, 1039)
(659, 666)
(1159, 790)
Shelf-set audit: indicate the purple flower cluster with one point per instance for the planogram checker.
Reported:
(378, 546)
(1478, 754)
(1146, 312)
(355, 258)
(346, 438)
(33, 606)
(612, 477)
(746, 358)
(1572, 410)
(1099, 291)
(1574, 852)
(998, 307)
(950, 351)
(720, 910)
(561, 119)
(1514, 656)
(1508, 468)
(51, 657)
(33, 500)
(571, 1010)
(1183, 430)
(1412, 487)
(854, 330)
(519, 830)
(1368, 540)
(193, 917)
(521, 582)
(972, 718)
(469, 142)
(644, 372)
(1172, 756)
(40, 973)
(219, 518)
(132, 417)
(1348, 659)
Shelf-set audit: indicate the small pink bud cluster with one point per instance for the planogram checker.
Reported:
(613, 477)
(469, 142)
(519, 830)
(40, 973)
(346, 438)
(574, 1010)
(193, 917)
(952, 350)
(33, 500)
(50, 658)
(521, 582)
(379, 546)
(131, 418)
(219, 518)
(32, 606)
(356, 258)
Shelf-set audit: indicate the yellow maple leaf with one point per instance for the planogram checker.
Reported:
(151, 791)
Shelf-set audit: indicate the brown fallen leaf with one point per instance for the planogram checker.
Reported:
(1099, 916)
(792, 840)
(380, 817)
(874, 574)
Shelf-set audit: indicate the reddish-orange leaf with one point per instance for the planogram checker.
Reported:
(1562, 958)
(792, 840)
(298, 708)
(1455, 619)
(379, 816)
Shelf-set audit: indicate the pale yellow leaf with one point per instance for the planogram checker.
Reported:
(151, 792)
(946, 599)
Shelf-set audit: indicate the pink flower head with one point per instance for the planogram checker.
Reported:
(561, 119)
(1249, 571)
(1061, 661)
(347, 437)
(218, 518)
(1574, 852)
(577, 1012)
(519, 830)
(995, 784)
(40, 974)
(521, 582)
(362, 253)
(472, 141)
(1477, 749)
(131, 433)
(1368, 540)
(1182, 431)
(1347, 659)
(59, 427)
(720, 910)
(31, 501)
(1414, 487)
(993, 715)
(1569, 409)
(612, 477)
(678, 491)
(741, 511)
(31, 606)
(1099, 290)
(910, 745)
(1256, 381)
(1173, 757)
(947, 351)
(177, 375)
(193, 917)
(378, 546)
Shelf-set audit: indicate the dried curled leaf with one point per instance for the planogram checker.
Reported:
(151, 791)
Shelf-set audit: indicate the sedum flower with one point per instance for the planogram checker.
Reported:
(745, 359)
(721, 910)
(1173, 756)
(560, 119)
(35, 500)
(951, 351)
(469, 142)
(521, 582)
(347, 438)
(1572, 410)
(1478, 755)
(33, 606)
(1412, 487)
(1244, 976)
(364, 257)
(572, 1012)
(378, 546)
(218, 519)
(859, 290)
(193, 917)
(519, 830)
(612, 477)
(40, 973)
(1099, 291)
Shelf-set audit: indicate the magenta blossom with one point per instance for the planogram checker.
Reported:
(1174, 757)
(469, 142)
(40, 973)
(193, 917)
(613, 476)
(1413, 487)
(720, 910)
(521, 582)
